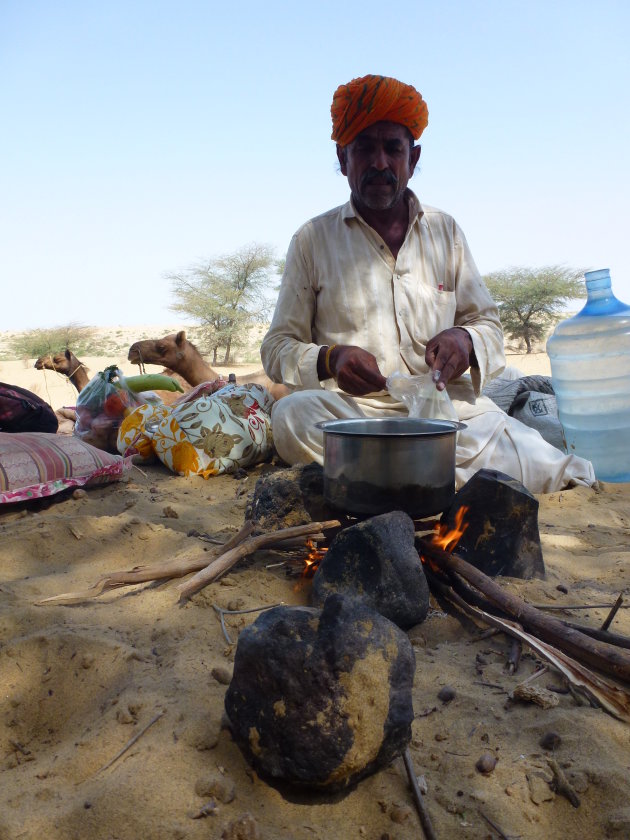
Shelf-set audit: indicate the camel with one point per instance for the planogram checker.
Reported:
(68, 364)
(180, 356)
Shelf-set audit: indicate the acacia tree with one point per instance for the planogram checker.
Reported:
(226, 295)
(530, 299)
(80, 339)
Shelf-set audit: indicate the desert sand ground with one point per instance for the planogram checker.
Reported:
(80, 682)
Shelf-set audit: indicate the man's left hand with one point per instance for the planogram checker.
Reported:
(448, 355)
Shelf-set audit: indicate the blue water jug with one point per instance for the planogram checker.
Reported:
(590, 373)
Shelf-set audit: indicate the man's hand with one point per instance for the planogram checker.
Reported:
(354, 369)
(448, 354)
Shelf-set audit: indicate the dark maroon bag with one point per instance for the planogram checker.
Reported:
(24, 411)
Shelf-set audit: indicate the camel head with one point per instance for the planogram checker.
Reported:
(178, 355)
(167, 351)
(65, 362)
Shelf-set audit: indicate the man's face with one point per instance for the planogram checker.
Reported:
(378, 164)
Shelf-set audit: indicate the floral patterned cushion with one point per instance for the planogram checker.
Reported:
(37, 464)
(203, 435)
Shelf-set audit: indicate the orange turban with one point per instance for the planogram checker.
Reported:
(370, 99)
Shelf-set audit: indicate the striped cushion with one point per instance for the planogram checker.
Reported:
(36, 464)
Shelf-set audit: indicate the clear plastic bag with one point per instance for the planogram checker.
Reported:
(421, 397)
(101, 407)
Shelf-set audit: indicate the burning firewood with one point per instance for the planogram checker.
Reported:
(221, 564)
(605, 692)
(600, 655)
(222, 559)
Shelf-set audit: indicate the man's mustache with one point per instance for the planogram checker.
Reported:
(376, 176)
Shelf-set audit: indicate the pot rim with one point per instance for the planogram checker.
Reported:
(390, 427)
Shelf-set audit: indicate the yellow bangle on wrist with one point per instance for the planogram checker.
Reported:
(327, 361)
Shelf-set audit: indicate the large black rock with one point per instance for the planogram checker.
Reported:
(501, 536)
(376, 560)
(289, 497)
(321, 698)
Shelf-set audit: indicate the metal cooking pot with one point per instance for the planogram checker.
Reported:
(378, 464)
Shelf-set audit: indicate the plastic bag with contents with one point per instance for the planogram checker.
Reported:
(421, 396)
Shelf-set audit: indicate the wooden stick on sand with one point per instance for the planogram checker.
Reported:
(601, 655)
(221, 564)
(425, 819)
(178, 567)
(222, 559)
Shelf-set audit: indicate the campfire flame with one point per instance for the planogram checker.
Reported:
(443, 537)
(312, 559)
(447, 538)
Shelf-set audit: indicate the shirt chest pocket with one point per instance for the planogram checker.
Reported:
(431, 311)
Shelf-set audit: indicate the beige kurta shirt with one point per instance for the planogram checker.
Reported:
(342, 285)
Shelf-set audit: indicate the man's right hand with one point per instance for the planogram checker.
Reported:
(354, 369)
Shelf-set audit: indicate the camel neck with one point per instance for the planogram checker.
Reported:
(79, 377)
(194, 368)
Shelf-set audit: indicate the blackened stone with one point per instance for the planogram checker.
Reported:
(321, 697)
(376, 560)
(502, 536)
(289, 497)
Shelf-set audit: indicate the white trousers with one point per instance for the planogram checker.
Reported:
(491, 439)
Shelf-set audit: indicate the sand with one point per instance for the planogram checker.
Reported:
(80, 682)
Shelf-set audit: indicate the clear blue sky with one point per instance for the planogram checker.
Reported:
(141, 137)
